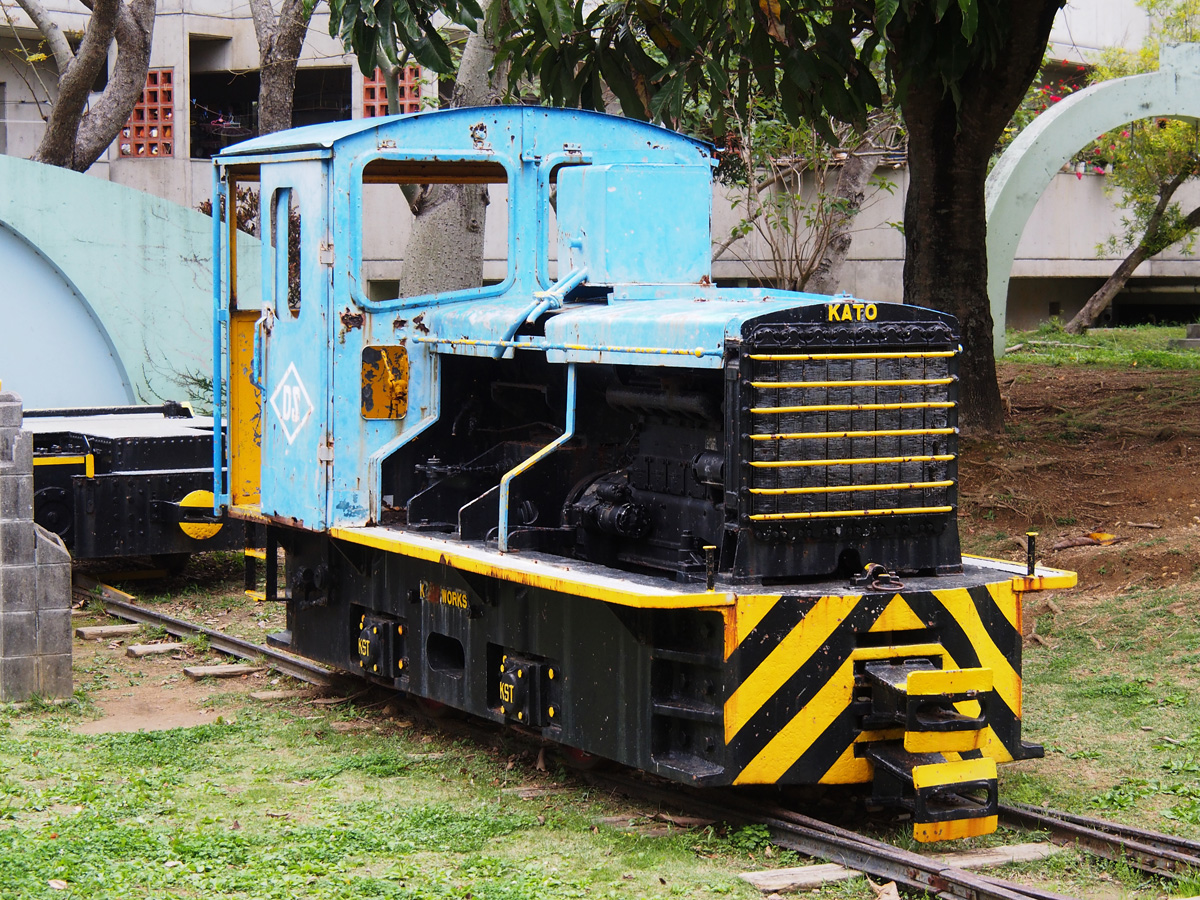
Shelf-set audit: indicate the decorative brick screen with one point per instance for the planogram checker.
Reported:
(150, 131)
(375, 93)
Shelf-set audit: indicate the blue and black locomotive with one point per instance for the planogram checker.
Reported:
(706, 532)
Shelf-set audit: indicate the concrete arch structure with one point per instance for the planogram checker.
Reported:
(1025, 169)
(114, 296)
(53, 348)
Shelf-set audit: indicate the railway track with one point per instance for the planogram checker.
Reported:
(1151, 852)
(119, 604)
(1157, 854)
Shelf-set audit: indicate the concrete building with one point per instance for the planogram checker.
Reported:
(202, 96)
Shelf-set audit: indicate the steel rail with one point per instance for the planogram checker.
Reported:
(812, 837)
(118, 603)
(1149, 851)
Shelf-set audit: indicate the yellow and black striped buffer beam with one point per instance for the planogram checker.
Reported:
(793, 714)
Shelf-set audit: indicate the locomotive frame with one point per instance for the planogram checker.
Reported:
(706, 532)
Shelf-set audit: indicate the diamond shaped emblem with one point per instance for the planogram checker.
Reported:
(291, 403)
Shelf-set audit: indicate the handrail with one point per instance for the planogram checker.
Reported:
(506, 481)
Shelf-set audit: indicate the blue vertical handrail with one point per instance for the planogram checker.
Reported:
(512, 473)
(220, 494)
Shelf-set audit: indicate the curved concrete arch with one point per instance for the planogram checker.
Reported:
(139, 266)
(53, 350)
(1024, 170)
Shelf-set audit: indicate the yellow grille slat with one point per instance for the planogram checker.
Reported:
(890, 382)
(895, 432)
(801, 357)
(909, 511)
(908, 486)
(851, 407)
(858, 461)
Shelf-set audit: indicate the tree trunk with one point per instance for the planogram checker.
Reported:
(280, 39)
(108, 115)
(75, 80)
(1099, 301)
(853, 178)
(945, 264)
(445, 247)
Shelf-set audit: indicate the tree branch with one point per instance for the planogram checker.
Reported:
(58, 144)
(110, 112)
(63, 55)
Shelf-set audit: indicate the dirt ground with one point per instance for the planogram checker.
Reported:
(153, 694)
(1089, 451)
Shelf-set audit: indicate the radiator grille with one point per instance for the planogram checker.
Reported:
(851, 435)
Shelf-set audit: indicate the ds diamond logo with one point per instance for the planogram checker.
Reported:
(291, 403)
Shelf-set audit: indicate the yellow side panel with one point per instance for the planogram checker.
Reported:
(245, 412)
(384, 382)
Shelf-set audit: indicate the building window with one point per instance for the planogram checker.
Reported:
(375, 93)
(150, 131)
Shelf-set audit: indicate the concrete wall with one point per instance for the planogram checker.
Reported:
(134, 269)
(35, 577)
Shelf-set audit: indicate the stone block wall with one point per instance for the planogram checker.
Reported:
(35, 578)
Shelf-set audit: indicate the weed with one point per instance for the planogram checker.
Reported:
(751, 838)
(197, 643)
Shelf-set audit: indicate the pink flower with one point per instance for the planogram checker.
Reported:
(1079, 174)
(1099, 170)
(1054, 99)
(1125, 134)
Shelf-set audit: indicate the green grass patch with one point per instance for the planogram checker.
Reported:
(1144, 346)
(275, 806)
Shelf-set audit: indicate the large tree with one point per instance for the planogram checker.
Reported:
(78, 128)
(445, 247)
(280, 37)
(958, 71)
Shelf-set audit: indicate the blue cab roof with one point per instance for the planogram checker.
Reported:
(327, 135)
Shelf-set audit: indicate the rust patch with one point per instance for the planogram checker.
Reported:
(399, 323)
(351, 320)
(419, 324)
(479, 135)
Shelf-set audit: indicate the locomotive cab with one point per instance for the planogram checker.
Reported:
(708, 532)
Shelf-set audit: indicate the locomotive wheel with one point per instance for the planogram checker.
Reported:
(53, 511)
(580, 760)
(432, 709)
(174, 563)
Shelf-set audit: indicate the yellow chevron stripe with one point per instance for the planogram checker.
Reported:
(794, 738)
(898, 616)
(1007, 601)
(809, 635)
(750, 611)
(1007, 682)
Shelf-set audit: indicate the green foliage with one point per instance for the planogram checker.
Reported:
(790, 191)
(1055, 81)
(815, 57)
(372, 29)
(1147, 161)
(658, 58)
(751, 838)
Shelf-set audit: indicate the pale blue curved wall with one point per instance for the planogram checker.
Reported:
(134, 270)
(52, 352)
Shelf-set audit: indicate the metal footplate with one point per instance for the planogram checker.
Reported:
(948, 799)
(941, 710)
